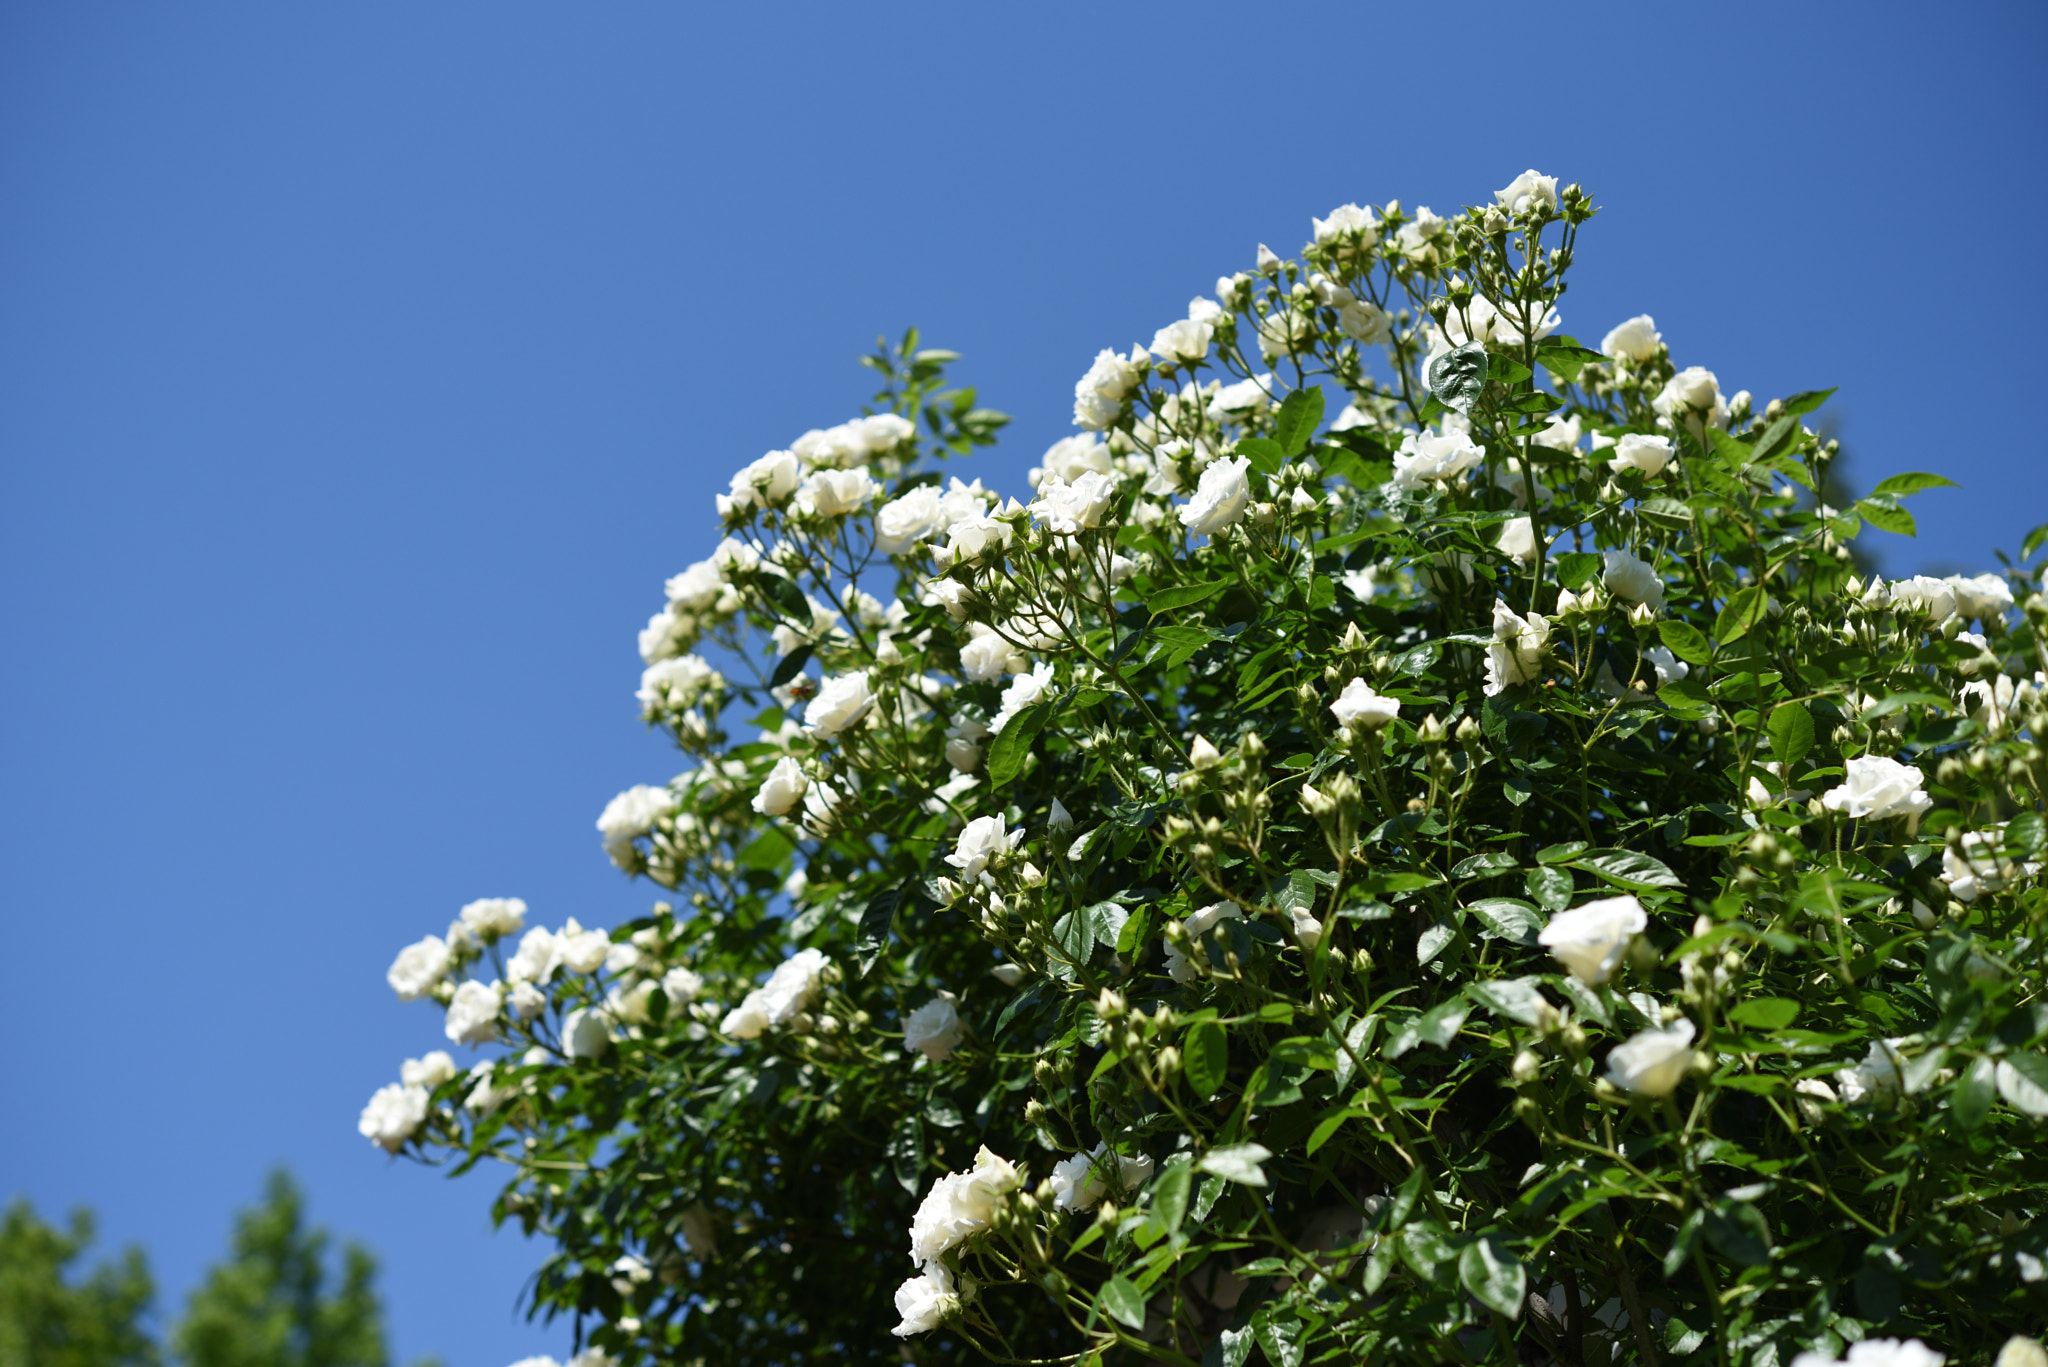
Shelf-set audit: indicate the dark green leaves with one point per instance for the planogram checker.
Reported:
(906, 1153)
(1791, 732)
(1507, 919)
(1205, 1058)
(1629, 869)
(1493, 1276)
(1565, 358)
(1737, 1231)
(1806, 401)
(1684, 641)
(786, 599)
(1265, 454)
(873, 935)
(1124, 1303)
(1458, 377)
(1575, 569)
(1238, 1163)
(1973, 1094)
(789, 666)
(1300, 414)
(1884, 513)
(1186, 595)
(1765, 1013)
(1898, 486)
(1743, 610)
(1011, 748)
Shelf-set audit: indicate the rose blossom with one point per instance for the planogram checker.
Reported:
(983, 839)
(1589, 940)
(1070, 508)
(429, 1072)
(1527, 190)
(1637, 339)
(1197, 925)
(394, 1115)
(842, 700)
(1359, 706)
(789, 989)
(473, 1014)
(959, 1206)
(1077, 1184)
(1632, 580)
(1637, 452)
(418, 967)
(1652, 1062)
(1220, 497)
(1515, 655)
(924, 1301)
(934, 1029)
(1876, 788)
(1099, 395)
(782, 789)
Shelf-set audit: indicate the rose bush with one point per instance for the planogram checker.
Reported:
(1417, 847)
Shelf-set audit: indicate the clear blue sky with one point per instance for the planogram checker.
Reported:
(364, 369)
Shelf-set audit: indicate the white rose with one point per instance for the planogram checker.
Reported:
(963, 743)
(1898, 1353)
(1695, 395)
(1515, 655)
(1876, 788)
(782, 789)
(1365, 322)
(1425, 456)
(925, 1301)
(539, 955)
(580, 950)
(1527, 190)
(429, 1072)
(842, 700)
(1877, 1080)
(933, 1030)
(903, 522)
(884, 431)
(1934, 597)
(789, 989)
(1518, 540)
(1099, 395)
(990, 656)
(1637, 339)
(1220, 498)
(971, 537)
(525, 1001)
(1978, 864)
(488, 918)
(1669, 667)
(585, 1033)
(681, 986)
(1284, 333)
(483, 1098)
(835, 493)
(1984, 597)
(629, 816)
(418, 967)
(1070, 508)
(1021, 692)
(1652, 1062)
(1632, 580)
(2019, 1351)
(1009, 975)
(1186, 341)
(696, 589)
(394, 1115)
(768, 481)
(473, 1014)
(959, 1206)
(1198, 925)
(1071, 457)
(1240, 400)
(1346, 224)
(983, 839)
(1637, 452)
(1359, 706)
(1590, 940)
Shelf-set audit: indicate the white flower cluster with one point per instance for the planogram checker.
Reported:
(959, 1206)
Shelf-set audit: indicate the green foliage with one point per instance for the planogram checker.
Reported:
(50, 1319)
(1431, 895)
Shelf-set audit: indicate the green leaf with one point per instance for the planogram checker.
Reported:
(1329, 1125)
(906, 1153)
(873, 935)
(1440, 1024)
(1565, 358)
(1279, 1335)
(1737, 1231)
(1684, 641)
(1883, 512)
(1629, 869)
(1300, 414)
(1682, 1246)
(786, 599)
(1971, 1102)
(1743, 610)
(1575, 569)
(1550, 889)
(2033, 541)
(1775, 436)
(1205, 1058)
(1484, 865)
(1493, 1276)
(1505, 918)
(1558, 854)
(1458, 377)
(789, 666)
(1170, 1193)
(1791, 731)
(2023, 1082)
(1265, 454)
(1237, 1163)
(2025, 834)
(1007, 755)
(1765, 1013)
(1877, 1292)
(1124, 1303)
(1131, 936)
(1806, 401)
(1515, 998)
(1666, 512)
(1185, 595)
(1898, 486)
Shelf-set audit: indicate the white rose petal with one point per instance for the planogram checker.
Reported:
(1637, 339)
(1875, 788)
(1359, 706)
(394, 1115)
(1590, 940)
(782, 789)
(418, 967)
(1652, 1062)
(934, 1030)
(842, 700)
(473, 1014)
(1220, 499)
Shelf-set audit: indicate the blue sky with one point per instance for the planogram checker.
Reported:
(364, 370)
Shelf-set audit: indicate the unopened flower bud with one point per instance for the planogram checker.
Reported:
(1169, 1061)
(1526, 1065)
(1431, 732)
(1467, 732)
(1110, 1005)
(1203, 755)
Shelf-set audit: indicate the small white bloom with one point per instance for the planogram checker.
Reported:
(1009, 975)
(959, 1206)
(1637, 339)
(1978, 864)
(488, 918)
(934, 1029)
(525, 1001)
(1058, 818)
(394, 1115)
(841, 701)
(1694, 395)
(983, 839)
(835, 493)
(580, 950)
(1985, 597)
(1077, 1182)
(1347, 225)
(979, 535)
(790, 988)
(1515, 656)
(782, 789)
(1876, 787)
(1652, 1062)
(681, 986)
(767, 482)
(1020, 693)
(1632, 580)
(1220, 498)
(1099, 395)
(1526, 191)
(1934, 597)
(1590, 940)
(539, 955)
(473, 1014)
(585, 1033)
(1885, 1353)
(418, 967)
(1669, 667)
(1808, 1094)
(1198, 925)
(629, 816)
(924, 1301)
(1637, 452)
(1425, 456)
(1518, 540)
(1186, 341)
(483, 1098)
(1203, 754)
(1067, 509)
(429, 1072)
(1358, 705)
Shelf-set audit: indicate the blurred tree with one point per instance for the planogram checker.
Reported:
(270, 1303)
(48, 1320)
